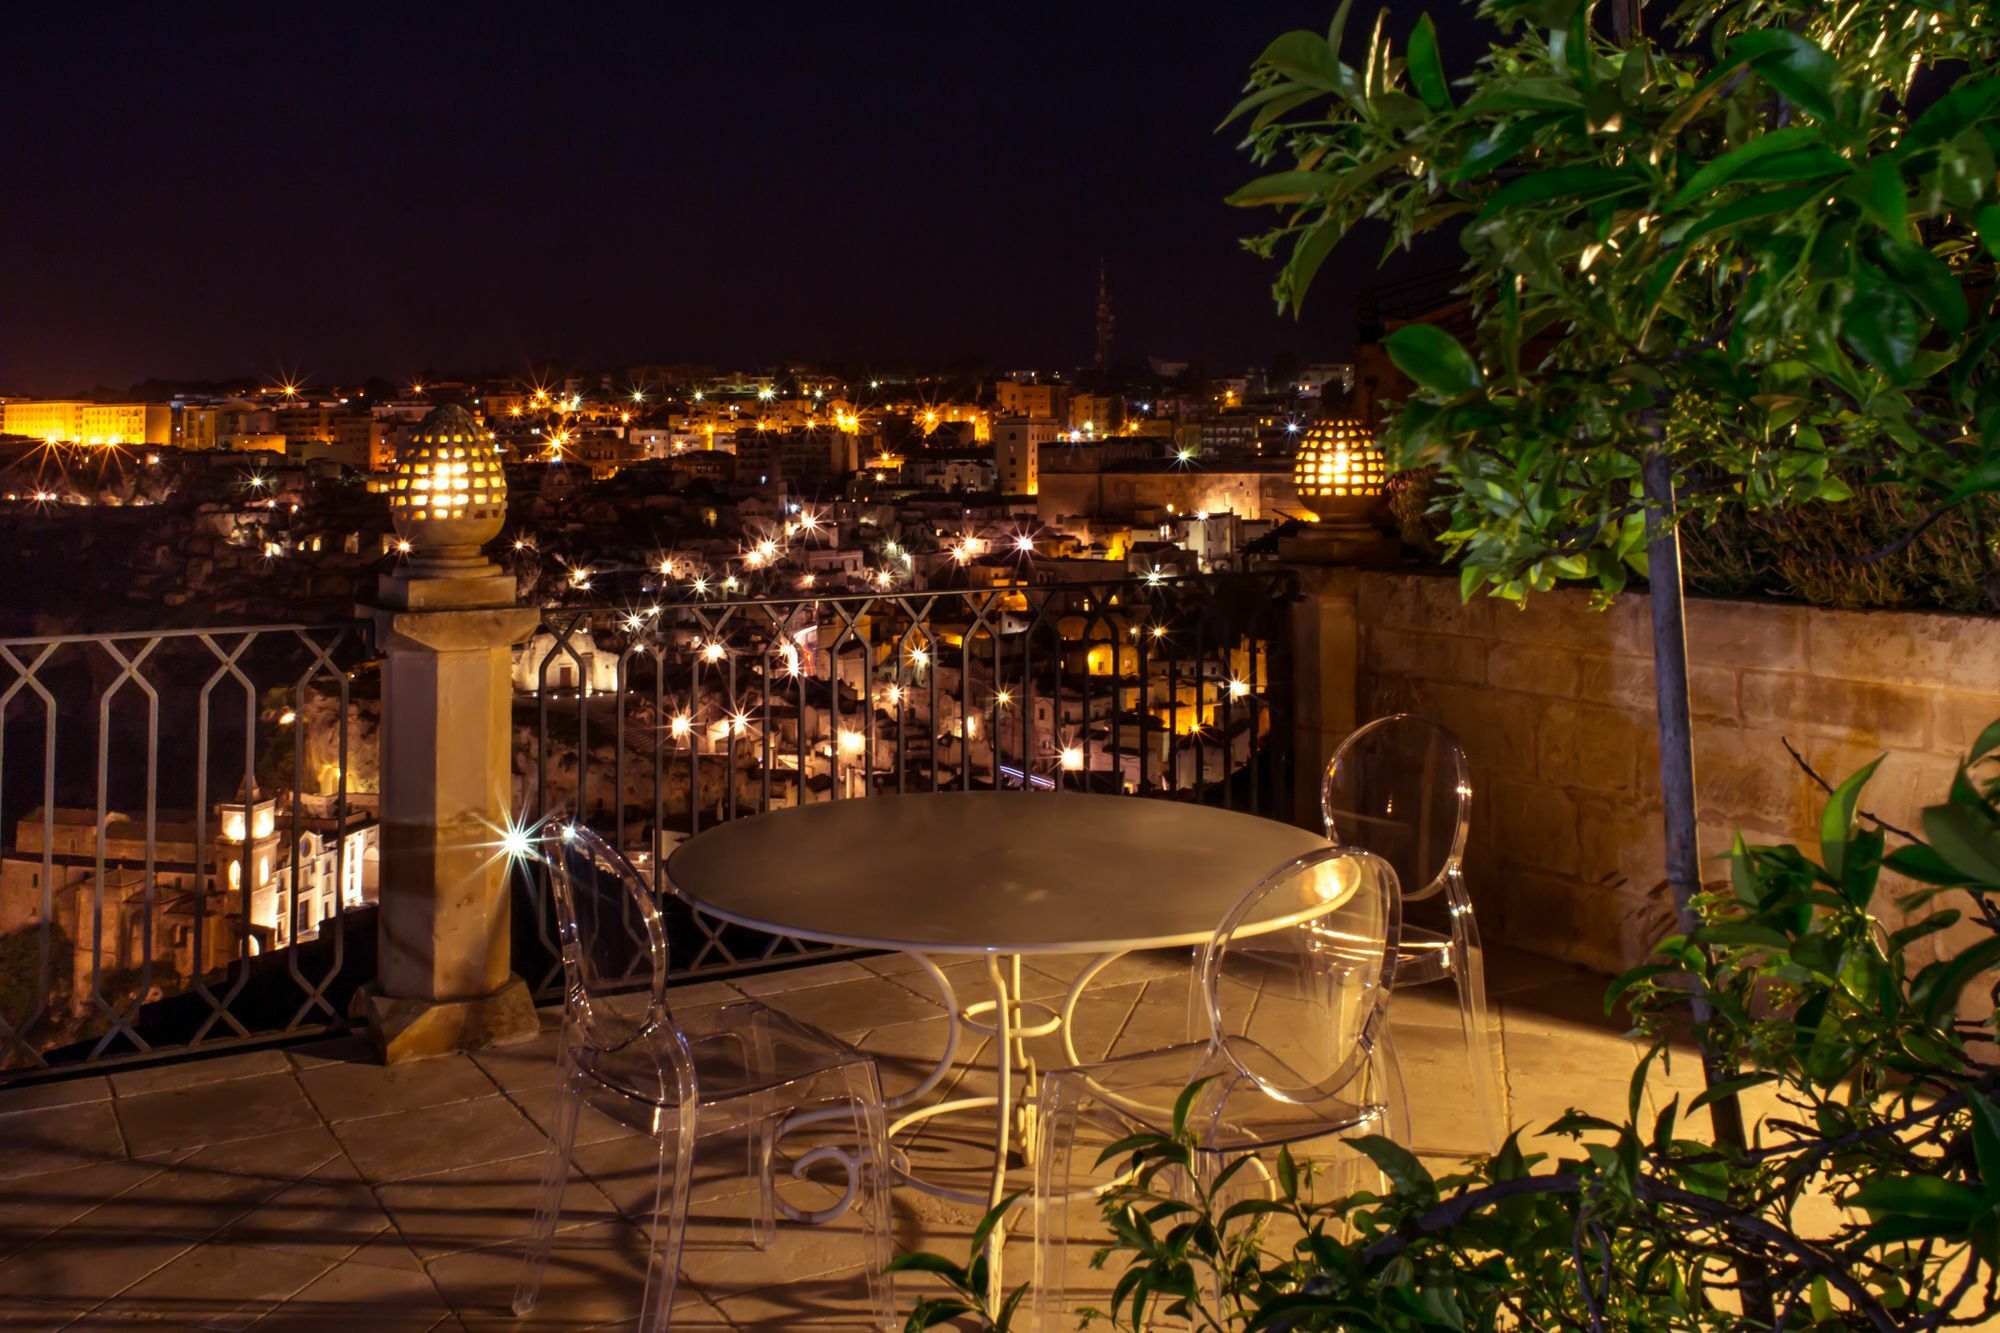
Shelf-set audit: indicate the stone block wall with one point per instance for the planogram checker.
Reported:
(1554, 704)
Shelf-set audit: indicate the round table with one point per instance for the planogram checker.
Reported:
(997, 874)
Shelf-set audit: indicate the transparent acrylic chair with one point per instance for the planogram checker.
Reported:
(1296, 983)
(1399, 787)
(742, 1067)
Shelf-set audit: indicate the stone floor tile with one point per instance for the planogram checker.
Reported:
(386, 1250)
(216, 1112)
(1562, 1007)
(206, 1189)
(59, 1138)
(60, 1092)
(33, 1317)
(682, 994)
(363, 1297)
(82, 1266)
(527, 1064)
(834, 1301)
(592, 1125)
(595, 1276)
(328, 1215)
(718, 1258)
(972, 984)
(438, 1138)
(215, 1287)
(627, 1170)
(855, 1006)
(38, 1206)
(352, 1090)
(210, 1069)
(760, 984)
(492, 1204)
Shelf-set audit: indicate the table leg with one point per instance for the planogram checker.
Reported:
(1003, 1132)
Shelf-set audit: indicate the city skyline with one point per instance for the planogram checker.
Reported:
(352, 194)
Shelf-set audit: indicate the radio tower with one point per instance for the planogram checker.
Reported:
(1104, 320)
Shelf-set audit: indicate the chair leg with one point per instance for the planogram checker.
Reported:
(555, 1180)
(871, 1132)
(1057, 1132)
(670, 1209)
(1388, 1076)
(1468, 970)
(762, 1140)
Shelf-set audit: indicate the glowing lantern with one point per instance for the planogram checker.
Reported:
(1339, 470)
(448, 497)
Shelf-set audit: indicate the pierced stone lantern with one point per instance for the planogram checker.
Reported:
(1339, 472)
(449, 496)
(447, 501)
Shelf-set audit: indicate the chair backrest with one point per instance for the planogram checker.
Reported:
(1399, 787)
(1297, 977)
(611, 933)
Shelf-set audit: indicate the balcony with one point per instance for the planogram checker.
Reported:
(197, 843)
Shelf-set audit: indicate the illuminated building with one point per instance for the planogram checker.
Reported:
(183, 879)
(1015, 398)
(91, 423)
(1017, 451)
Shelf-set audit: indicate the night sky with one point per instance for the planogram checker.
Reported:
(206, 190)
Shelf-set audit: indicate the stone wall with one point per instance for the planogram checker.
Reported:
(1554, 705)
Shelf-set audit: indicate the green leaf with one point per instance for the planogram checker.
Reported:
(1917, 1196)
(932, 1311)
(1967, 839)
(1877, 189)
(1750, 207)
(1185, 1102)
(1491, 152)
(1986, 1143)
(1729, 1087)
(1795, 66)
(1434, 359)
(992, 1220)
(1953, 114)
(1398, 1163)
(1630, 978)
(1287, 1172)
(1574, 186)
(1425, 68)
(1733, 163)
(1881, 323)
(1923, 864)
(1282, 187)
(929, 1263)
(1836, 822)
(1937, 987)
(1926, 278)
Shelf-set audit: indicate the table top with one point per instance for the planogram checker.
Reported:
(986, 871)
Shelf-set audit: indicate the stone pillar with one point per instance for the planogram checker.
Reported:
(1326, 663)
(446, 624)
(444, 978)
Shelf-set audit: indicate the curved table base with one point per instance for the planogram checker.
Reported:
(1011, 1021)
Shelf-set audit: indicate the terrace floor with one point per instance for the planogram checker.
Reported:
(310, 1188)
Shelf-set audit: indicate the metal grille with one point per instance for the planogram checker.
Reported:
(159, 892)
(652, 722)
(153, 890)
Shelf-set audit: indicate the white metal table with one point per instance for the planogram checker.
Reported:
(993, 874)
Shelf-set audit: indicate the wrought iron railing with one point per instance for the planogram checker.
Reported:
(652, 721)
(188, 838)
(185, 829)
